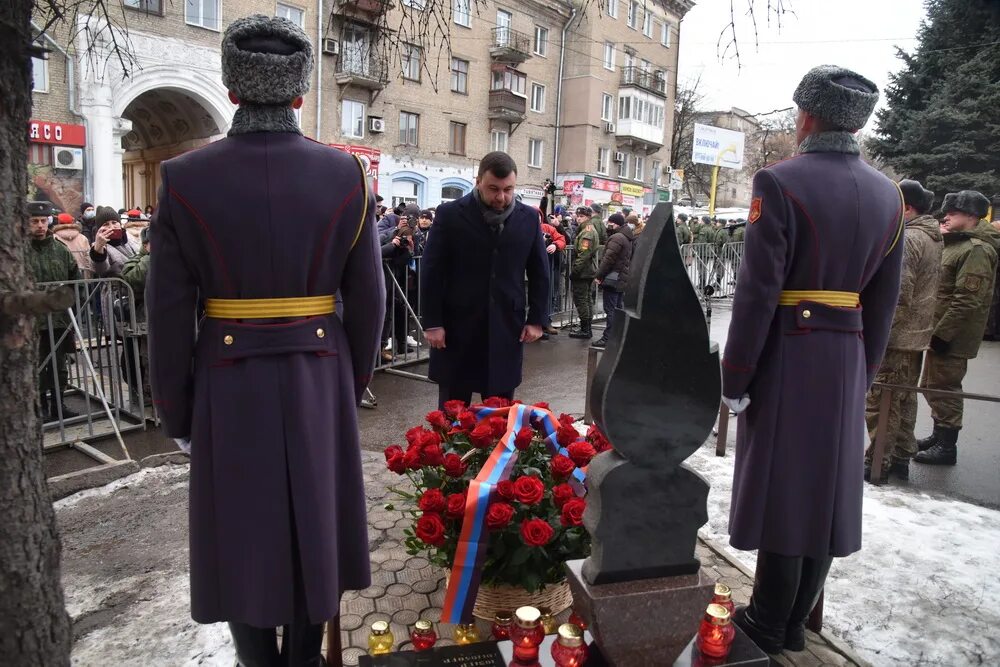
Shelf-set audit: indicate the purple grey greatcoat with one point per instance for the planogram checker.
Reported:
(472, 284)
(272, 416)
(827, 221)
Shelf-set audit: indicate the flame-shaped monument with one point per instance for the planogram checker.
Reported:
(655, 395)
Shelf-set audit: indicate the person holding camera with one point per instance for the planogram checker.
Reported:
(397, 251)
(555, 244)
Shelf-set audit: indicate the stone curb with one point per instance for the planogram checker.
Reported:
(68, 484)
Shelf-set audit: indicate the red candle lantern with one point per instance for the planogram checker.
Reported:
(501, 625)
(526, 635)
(569, 650)
(724, 596)
(716, 633)
(423, 636)
(578, 621)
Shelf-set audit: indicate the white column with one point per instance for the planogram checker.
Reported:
(106, 132)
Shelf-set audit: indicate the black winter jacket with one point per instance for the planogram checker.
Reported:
(617, 256)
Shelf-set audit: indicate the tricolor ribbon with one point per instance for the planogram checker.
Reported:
(466, 570)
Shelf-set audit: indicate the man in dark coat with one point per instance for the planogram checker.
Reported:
(472, 286)
(814, 301)
(266, 395)
(612, 272)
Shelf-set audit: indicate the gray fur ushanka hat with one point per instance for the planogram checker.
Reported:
(837, 95)
(916, 195)
(266, 60)
(966, 201)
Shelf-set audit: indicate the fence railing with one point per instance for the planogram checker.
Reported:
(712, 265)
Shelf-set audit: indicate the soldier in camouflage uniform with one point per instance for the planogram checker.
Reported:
(968, 271)
(912, 324)
(49, 261)
(682, 230)
(583, 270)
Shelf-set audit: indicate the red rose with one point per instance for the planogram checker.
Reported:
(499, 515)
(412, 458)
(430, 529)
(438, 420)
(505, 489)
(430, 438)
(528, 489)
(562, 466)
(454, 408)
(414, 434)
(453, 465)
(392, 450)
(455, 506)
(432, 455)
(482, 435)
(536, 532)
(566, 435)
(566, 420)
(467, 420)
(572, 512)
(541, 404)
(397, 463)
(498, 425)
(432, 501)
(523, 439)
(581, 453)
(562, 493)
(496, 402)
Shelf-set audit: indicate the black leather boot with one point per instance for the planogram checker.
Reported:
(944, 453)
(301, 645)
(814, 571)
(255, 647)
(900, 469)
(776, 585)
(602, 341)
(584, 332)
(926, 443)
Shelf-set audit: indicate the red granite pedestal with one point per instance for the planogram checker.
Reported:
(645, 622)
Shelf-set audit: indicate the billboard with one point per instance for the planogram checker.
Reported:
(717, 146)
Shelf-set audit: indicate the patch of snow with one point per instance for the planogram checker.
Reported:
(163, 472)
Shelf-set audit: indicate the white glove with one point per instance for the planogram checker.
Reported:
(184, 444)
(737, 405)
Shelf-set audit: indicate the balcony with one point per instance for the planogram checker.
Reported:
(507, 106)
(370, 72)
(510, 46)
(371, 7)
(653, 82)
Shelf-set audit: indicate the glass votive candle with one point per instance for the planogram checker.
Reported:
(716, 633)
(724, 597)
(423, 636)
(526, 635)
(501, 624)
(548, 621)
(578, 621)
(569, 649)
(466, 633)
(380, 639)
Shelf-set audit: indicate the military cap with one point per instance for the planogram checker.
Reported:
(266, 60)
(837, 95)
(584, 210)
(683, 217)
(39, 209)
(915, 195)
(596, 208)
(966, 201)
(706, 219)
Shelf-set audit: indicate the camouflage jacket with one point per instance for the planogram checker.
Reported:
(968, 272)
(913, 321)
(134, 273)
(683, 233)
(702, 233)
(49, 261)
(585, 248)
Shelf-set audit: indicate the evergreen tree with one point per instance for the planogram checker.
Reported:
(942, 123)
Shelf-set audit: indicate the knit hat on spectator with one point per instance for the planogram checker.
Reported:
(64, 219)
(84, 206)
(915, 195)
(412, 211)
(135, 214)
(105, 214)
(616, 219)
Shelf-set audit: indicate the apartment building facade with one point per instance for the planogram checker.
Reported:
(419, 110)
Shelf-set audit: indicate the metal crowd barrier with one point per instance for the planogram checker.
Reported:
(715, 266)
(93, 379)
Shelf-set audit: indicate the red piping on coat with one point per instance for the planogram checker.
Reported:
(211, 238)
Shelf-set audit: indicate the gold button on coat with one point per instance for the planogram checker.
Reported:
(228, 340)
(806, 314)
(320, 333)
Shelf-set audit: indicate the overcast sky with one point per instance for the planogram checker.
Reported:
(857, 34)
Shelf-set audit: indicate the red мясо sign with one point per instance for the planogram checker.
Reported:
(66, 134)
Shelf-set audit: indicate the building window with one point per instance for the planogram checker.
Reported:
(293, 14)
(509, 79)
(665, 34)
(537, 97)
(640, 165)
(202, 13)
(462, 11)
(656, 173)
(409, 125)
(647, 25)
(613, 8)
(498, 140)
(456, 138)
(624, 108)
(633, 14)
(541, 41)
(534, 152)
(460, 76)
(405, 191)
(609, 56)
(147, 6)
(413, 4)
(623, 167)
(607, 107)
(352, 119)
(603, 161)
(450, 192)
(504, 19)
(410, 56)
(40, 75)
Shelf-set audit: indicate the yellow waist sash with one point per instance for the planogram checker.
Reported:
(251, 309)
(826, 297)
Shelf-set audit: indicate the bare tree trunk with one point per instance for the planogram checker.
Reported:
(34, 626)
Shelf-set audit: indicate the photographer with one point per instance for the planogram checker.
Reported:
(548, 190)
(555, 244)
(397, 251)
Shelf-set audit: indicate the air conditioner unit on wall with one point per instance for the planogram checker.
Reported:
(609, 128)
(67, 157)
(619, 156)
(331, 47)
(376, 124)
